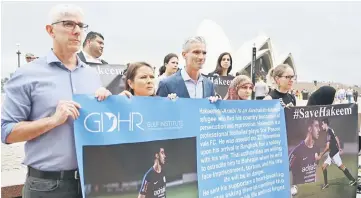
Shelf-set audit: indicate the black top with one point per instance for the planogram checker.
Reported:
(331, 138)
(285, 98)
(153, 185)
(303, 163)
(82, 58)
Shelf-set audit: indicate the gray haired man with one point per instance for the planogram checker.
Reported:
(39, 110)
(189, 82)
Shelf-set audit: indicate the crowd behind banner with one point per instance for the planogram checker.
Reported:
(122, 129)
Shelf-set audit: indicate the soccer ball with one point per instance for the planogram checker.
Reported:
(294, 190)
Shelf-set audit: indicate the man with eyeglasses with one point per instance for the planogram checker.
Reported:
(38, 108)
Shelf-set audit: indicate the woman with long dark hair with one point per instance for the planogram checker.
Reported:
(224, 65)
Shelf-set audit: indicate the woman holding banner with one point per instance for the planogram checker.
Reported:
(139, 81)
(240, 88)
(282, 78)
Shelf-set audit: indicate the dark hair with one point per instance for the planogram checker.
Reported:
(156, 150)
(91, 36)
(132, 71)
(322, 96)
(161, 70)
(166, 60)
(168, 57)
(218, 69)
(326, 121)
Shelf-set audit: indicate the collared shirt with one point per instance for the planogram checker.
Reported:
(90, 59)
(195, 88)
(32, 93)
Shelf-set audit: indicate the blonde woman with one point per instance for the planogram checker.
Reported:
(240, 88)
(281, 78)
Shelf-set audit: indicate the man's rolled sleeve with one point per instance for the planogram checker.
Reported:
(16, 106)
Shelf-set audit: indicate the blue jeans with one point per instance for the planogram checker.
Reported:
(349, 98)
(44, 188)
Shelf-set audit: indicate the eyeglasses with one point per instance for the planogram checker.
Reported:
(71, 25)
(290, 77)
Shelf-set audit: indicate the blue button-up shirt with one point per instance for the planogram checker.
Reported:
(195, 88)
(32, 93)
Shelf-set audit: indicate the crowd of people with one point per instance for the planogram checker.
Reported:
(349, 94)
(38, 107)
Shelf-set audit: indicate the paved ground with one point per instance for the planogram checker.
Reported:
(13, 172)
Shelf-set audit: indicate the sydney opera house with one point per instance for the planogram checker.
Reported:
(217, 42)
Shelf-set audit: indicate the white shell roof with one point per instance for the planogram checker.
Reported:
(218, 42)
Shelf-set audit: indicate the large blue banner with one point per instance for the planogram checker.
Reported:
(156, 147)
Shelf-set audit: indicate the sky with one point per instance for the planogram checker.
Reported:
(323, 37)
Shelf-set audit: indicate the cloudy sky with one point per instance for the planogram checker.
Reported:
(324, 38)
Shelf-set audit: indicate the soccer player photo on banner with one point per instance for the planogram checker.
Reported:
(323, 150)
(154, 147)
(142, 169)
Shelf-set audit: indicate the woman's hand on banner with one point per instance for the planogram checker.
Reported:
(214, 99)
(126, 93)
(102, 93)
(172, 96)
(289, 105)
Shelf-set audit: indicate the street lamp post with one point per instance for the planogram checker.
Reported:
(253, 69)
(18, 53)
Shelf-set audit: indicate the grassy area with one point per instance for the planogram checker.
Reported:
(182, 191)
(338, 183)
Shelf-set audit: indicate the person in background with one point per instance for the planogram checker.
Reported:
(260, 89)
(93, 48)
(342, 94)
(240, 88)
(38, 108)
(349, 94)
(224, 65)
(281, 78)
(355, 95)
(170, 66)
(30, 57)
